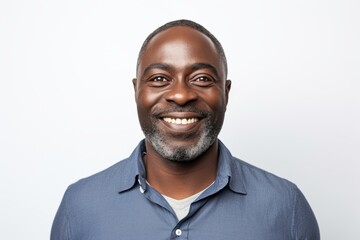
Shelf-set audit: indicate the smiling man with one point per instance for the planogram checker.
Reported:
(181, 182)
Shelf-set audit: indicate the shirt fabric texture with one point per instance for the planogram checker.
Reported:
(244, 203)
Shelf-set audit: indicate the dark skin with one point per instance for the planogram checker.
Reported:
(181, 69)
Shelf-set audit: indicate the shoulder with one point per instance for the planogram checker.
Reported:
(253, 179)
(89, 198)
(264, 188)
(273, 193)
(102, 184)
(257, 178)
(118, 177)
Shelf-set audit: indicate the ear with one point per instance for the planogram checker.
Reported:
(134, 82)
(227, 89)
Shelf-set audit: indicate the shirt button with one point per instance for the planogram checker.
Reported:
(178, 232)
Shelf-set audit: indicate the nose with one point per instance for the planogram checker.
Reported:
(181, 93)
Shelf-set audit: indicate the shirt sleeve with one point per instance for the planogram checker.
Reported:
(61, 227)
(304, 224)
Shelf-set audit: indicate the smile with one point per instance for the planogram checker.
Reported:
(180, 121)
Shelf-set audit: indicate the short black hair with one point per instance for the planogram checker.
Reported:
(187, 23)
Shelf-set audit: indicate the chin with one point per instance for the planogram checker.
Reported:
(178, 152)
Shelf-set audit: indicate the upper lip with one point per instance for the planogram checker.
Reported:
(181, 115)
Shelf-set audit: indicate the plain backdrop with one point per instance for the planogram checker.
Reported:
(68, 111)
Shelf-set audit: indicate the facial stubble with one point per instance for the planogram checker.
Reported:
(167, 150)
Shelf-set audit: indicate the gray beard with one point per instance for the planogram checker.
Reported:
(181, 154)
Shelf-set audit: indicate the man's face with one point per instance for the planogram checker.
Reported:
(181, 93)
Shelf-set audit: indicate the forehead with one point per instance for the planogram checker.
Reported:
(181, 46)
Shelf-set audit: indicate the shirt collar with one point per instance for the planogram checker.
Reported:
(228, 171)
(133, 169)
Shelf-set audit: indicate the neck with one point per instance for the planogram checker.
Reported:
(179, 180)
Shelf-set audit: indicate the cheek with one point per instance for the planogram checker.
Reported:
(146, 99)
(216, 100)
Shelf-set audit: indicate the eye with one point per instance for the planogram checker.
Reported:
(202, 81)
(158, 81)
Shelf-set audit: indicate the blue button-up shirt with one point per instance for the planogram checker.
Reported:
(244, 202)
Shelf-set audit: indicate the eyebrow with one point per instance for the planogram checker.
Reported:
(193, 67)
(198, 66)
(162, 66)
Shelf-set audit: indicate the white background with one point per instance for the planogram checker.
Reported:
(68, 111)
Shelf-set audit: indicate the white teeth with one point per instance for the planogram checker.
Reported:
(180, 120)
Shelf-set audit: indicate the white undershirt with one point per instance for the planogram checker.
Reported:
(181, 207)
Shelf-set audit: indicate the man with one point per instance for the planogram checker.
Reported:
(181, 182)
